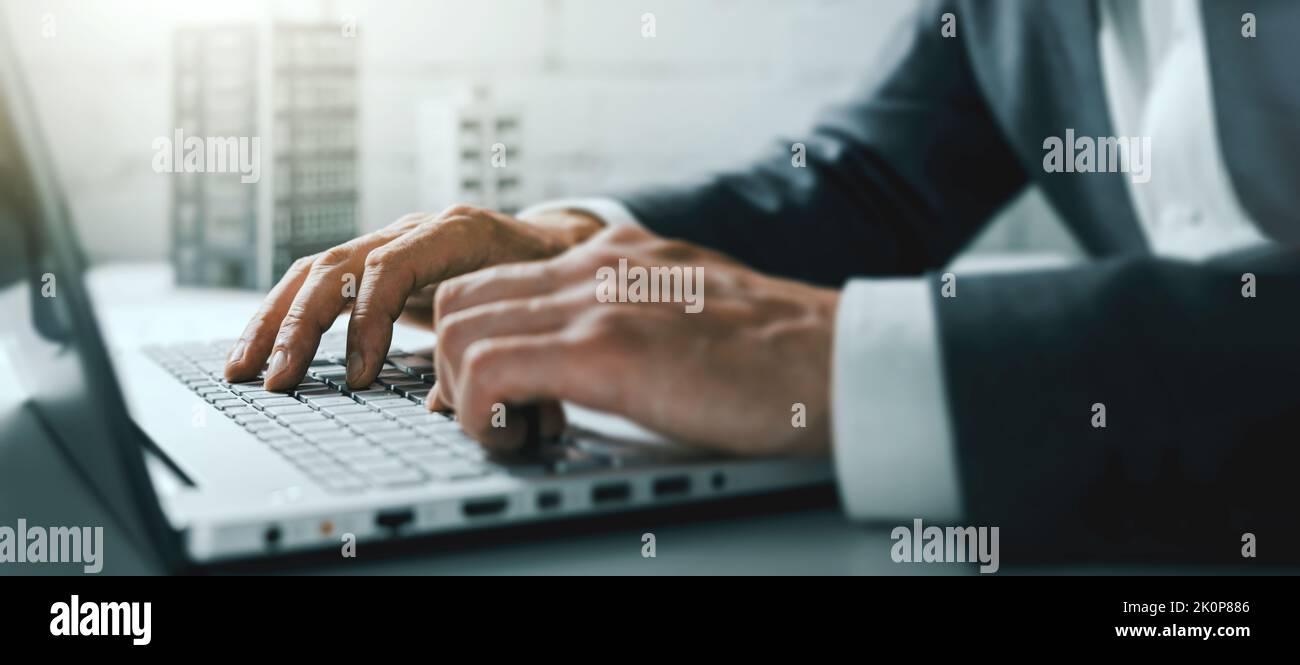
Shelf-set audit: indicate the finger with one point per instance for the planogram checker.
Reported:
(254, 345)
(528, 316)
(392, 273)
(525, 370)
(552, 419)
(510, 282)
(329, 286)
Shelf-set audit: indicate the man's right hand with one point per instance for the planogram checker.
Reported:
(384, 269)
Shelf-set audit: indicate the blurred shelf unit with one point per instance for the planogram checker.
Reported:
(471, 150)
(294, 86)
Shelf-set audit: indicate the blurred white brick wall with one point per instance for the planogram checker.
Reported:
(721, 80)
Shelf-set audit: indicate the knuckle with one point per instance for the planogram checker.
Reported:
(603, 256)
(450, 328)
(411, 219)
(480, 358)
(302, 263)
(625, 232)
(448, 293)
(459, 210)
(675, 249)
(332, 257)
(379, 258)
(295, 320)
(608, 322)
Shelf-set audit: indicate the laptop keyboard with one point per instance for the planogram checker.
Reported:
(351, 441)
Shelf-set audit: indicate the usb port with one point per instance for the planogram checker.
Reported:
(395, 519)
(611, 493)
(549, 500)
(484, 507)
(672, 486)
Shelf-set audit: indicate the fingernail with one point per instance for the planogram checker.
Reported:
(237, 353)
(356, 367)
(278, 360)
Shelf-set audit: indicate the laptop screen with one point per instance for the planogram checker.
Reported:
(47, 325)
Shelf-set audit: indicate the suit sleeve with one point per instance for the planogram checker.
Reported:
(1201, 405)
(894, 182)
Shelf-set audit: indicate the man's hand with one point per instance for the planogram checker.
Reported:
(732, 377)
(377, 274)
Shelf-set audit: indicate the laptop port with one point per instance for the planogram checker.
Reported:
(549, 500)
(719, 480)
(395, 519)
(272, 536)
(672, 486)
(610, 493)
(484, 507)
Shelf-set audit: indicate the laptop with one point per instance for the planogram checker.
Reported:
(199, 471)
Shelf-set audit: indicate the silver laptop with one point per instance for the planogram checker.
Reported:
(204, 471)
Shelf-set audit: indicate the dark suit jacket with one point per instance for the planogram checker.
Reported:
(1201, 385)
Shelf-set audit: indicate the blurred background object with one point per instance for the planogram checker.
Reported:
(585, 101)
(226, 232)
(470, 151)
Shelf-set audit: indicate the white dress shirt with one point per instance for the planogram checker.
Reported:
(892, 436)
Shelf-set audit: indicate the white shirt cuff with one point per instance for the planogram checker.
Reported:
(610, 211)
(892, 440)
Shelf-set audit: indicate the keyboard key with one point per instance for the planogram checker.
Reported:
(276, 402)
(292, 417)
(324, 468)
(418, 395)
(396, 477)
(429, 458)
(343, 388)
(426, 419)
(314, 426)
(241, 388)
(313, 458)
(304, 415)
(380, 429)
(404, 410)
(290, 449)
(459, 470)
(251, 395)
(224, 404)
(358, 418)
(342, 446)
(333, 399)
(262, 425)
(336, 439)
(319, 390)
(351, 407)
(279, 433)
(342, 484)
(412, 364)
(370, 456)
(408, 441)
(403, 388)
